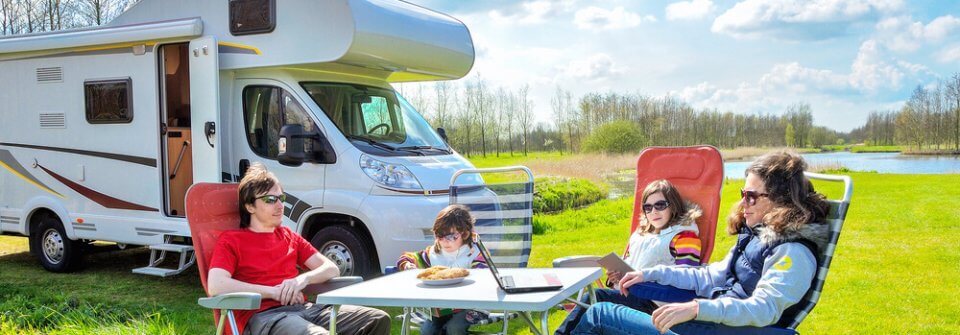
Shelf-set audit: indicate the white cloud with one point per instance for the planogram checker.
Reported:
(799, 79)
(596, 67)
(595, 18)
(870, 72)
(533, 12)
(949, 55)
(903, 34)
(798, 19)
(689, 10)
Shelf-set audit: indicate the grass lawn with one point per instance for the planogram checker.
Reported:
(896, 270)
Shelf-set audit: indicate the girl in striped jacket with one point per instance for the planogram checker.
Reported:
(452, 247)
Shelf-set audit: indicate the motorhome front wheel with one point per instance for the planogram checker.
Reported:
(346, 248)
(55, 251)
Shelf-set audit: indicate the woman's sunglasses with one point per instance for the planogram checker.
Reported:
(659, 205)
(449, 237)
(750, 197)
(269, 199)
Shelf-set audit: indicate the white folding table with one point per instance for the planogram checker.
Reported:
(479, 290)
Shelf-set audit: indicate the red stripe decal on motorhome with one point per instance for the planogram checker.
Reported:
(100, 198)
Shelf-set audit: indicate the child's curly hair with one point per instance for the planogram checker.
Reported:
(453, 218)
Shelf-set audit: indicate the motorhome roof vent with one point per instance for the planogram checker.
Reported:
(53, 121)
(50, 74)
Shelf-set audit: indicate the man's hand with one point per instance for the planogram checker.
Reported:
(290, 291)
(670, 315)
(629, 279)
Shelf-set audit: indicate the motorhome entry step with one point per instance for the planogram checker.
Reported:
(155, 271)
(178, 244)
(172, 247)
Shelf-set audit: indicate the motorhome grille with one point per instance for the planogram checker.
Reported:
(50, 74)
(53, 120)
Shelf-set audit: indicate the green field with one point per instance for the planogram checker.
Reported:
(896, 270)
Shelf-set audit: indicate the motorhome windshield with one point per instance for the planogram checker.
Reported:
(378, 121)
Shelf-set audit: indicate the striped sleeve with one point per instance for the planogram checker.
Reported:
(479, 262)
(419, 259)
(685, 248)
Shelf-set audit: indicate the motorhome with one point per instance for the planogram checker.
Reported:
(104, 129)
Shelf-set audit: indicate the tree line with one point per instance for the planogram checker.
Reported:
(930, 119)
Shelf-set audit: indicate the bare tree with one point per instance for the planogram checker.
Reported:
(441, 103)
(525, 117)
(953, 91)
(559, 113)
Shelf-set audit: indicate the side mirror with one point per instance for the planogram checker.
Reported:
(443, 134)
(290, 145)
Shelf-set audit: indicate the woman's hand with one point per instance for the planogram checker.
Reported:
(408, 266)
(290, 291)
(613, 277)
(629, 279)
(670, 315)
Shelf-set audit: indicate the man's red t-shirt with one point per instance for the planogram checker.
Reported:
(261, 258)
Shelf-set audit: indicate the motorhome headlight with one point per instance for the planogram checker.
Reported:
(390, 175)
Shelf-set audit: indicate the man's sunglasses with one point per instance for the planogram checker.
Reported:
(269, 199)
(659, 205)
(750, 197)
(449, 237)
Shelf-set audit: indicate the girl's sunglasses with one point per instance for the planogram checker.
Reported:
(750, 197)
(269, 199)
(449, 237)
(659, 205)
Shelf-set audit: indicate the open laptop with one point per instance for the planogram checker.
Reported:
(520, 283)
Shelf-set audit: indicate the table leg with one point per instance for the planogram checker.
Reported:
(593, 294)
(405, 325)
(333, 319)
(543, 323)
(529, 320)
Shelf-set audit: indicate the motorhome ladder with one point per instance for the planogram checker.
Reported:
(158, 252)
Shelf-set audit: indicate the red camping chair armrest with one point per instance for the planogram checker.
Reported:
(232, 301)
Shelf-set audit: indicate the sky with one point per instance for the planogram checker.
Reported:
(844, 58)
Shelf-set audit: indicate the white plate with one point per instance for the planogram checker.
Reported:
(442, 282)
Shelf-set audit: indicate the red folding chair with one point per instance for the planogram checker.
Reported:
(697, 172)
(212, 209)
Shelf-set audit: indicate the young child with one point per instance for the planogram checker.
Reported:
(667, 233)
(453, 247)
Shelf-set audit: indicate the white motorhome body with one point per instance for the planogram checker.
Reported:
(105, 128)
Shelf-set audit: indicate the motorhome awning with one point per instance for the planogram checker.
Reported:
(99, 37)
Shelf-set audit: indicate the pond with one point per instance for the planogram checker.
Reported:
(881, 162)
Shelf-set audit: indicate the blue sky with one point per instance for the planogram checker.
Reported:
(844, 58)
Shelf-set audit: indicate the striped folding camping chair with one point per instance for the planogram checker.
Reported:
(838, 212)
(501, 201)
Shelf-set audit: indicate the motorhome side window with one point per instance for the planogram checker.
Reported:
(266, 110)
(252, 16)
(108, 101)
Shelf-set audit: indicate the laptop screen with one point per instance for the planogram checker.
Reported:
(487, 257)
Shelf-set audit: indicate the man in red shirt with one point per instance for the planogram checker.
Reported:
(263, 257)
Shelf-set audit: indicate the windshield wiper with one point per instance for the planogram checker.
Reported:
(371, 142)
(424, 147)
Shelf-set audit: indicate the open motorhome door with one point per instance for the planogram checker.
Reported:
(205, 109)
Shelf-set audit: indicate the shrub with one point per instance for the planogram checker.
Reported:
(553, 194)
(616, 137)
